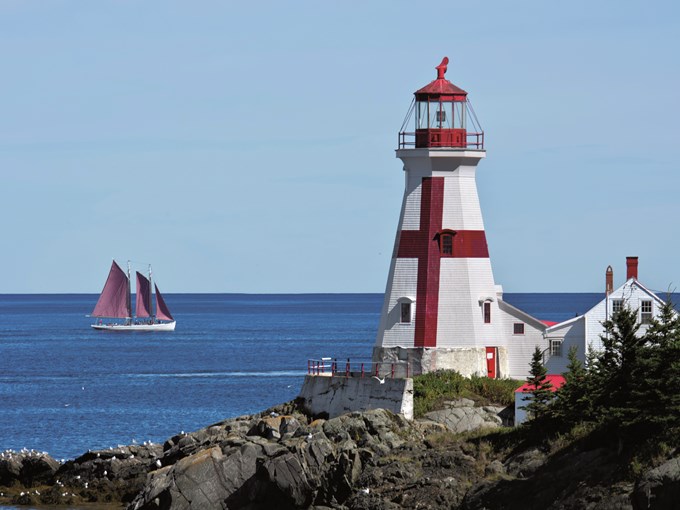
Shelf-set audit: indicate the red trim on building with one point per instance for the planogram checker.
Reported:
(423, 245)
(469, 244)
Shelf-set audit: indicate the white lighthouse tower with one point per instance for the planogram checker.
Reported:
(441, 308)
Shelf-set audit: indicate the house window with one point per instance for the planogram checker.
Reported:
(645, 312)
(518, 328)
(487, 312)
(405, 313)
(617, 305)
(556, 347)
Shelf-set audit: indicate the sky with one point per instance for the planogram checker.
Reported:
(249, 146)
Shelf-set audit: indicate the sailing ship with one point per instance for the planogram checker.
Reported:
(115, 302)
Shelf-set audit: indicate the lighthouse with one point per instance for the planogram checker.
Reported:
(442, 307)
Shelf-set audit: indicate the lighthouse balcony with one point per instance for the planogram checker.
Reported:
(441, 139)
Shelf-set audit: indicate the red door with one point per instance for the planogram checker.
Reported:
(491, 362)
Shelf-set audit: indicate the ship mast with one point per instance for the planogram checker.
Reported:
(129, 294)
(151, 312)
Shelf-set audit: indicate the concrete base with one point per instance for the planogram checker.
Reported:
(339, 395)
(467, 361)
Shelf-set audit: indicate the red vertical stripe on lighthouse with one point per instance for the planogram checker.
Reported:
(422, 244)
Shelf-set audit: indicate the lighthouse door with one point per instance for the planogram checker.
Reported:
(491, 362)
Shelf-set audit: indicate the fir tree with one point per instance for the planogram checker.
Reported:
(614, 373)
(657, 374)
(573, 403)
(541, 388)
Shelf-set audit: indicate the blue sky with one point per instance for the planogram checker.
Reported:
(249, 147)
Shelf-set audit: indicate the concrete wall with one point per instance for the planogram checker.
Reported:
(465, 360)
(340, 395)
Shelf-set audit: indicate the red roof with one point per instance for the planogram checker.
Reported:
(557, 382)
(441, 86)
(549, 323)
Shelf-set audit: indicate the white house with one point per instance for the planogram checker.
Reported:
(585, 331)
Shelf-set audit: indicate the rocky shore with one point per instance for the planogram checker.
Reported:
(283, 459)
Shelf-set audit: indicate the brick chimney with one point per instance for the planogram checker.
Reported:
(609, 280)
(631, 268)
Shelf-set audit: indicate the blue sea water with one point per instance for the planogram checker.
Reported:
(66, 388)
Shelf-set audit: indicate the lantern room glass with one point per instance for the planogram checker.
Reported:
(440, 114)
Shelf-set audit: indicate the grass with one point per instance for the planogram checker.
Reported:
(432, 389)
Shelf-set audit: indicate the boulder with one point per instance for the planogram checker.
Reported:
(659, 488)
(26, 468)
(460, 417)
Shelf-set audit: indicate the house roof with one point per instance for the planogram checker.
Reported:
(507, 307)
(559, 325)
(557, 382)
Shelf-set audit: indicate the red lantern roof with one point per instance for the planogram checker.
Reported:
(441, 88)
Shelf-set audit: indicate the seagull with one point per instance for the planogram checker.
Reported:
(273, 414)
(381, 381)
(309, 436)
(159, 463)
(366, 490)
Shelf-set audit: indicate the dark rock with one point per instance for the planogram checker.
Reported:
(27, 468)
(659, 488)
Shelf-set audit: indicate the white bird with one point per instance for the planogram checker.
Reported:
(381, 381)
(309, 436)
(366, 490)
(159, 463)
(273, 414)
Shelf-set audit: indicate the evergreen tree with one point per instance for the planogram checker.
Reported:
(573, 402)
(657, 376)
(541, 388)
(614, 373)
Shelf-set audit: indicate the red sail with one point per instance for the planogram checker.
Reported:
(113, 301)
(162, 311)
(143, 301)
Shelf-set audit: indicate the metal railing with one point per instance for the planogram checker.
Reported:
(334, 368)
(474, 141)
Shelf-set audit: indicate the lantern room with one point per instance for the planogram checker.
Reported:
(442, 116)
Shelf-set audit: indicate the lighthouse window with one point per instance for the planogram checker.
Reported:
(405, 312)
(446, 244)
(487, 312)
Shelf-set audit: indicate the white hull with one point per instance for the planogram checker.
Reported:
(158, 326)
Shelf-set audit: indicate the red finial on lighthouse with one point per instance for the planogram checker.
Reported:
(441, 68)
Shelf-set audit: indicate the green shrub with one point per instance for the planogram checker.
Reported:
(432, 389)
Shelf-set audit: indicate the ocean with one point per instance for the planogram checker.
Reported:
(66, 388)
